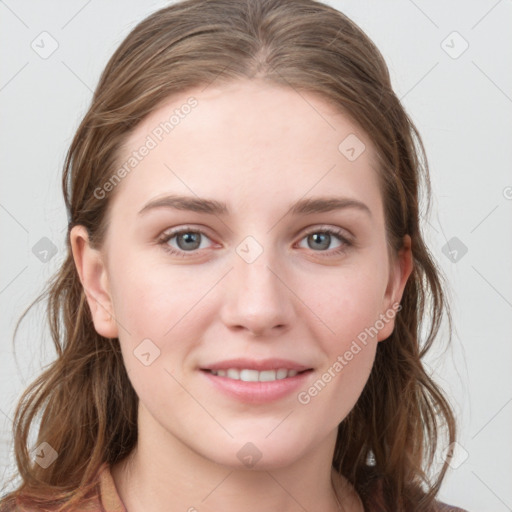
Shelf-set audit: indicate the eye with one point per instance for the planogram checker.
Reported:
(186, 239)
(321, 239)
(189, 240)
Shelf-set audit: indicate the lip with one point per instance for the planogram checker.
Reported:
(255, 364)
(257, 392)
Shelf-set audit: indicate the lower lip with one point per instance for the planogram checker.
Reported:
(257, 392)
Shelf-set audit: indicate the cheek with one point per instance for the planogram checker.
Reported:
(159, 318)
(350, 308)
(348, 304)
(150, 300)
(350, 353)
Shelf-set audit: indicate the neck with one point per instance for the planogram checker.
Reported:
(163, 474)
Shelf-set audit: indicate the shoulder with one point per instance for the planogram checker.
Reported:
(374, 495)
(107, 491)
(102, 498)
(92, 505)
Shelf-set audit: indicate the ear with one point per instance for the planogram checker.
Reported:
(400, 270)
(93, 276)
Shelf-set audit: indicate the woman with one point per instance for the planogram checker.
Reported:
(275, 363)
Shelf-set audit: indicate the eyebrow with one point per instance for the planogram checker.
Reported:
(210, 206)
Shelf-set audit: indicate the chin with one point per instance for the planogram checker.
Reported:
(255, 452)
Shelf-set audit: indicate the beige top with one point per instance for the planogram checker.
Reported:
(107, 499)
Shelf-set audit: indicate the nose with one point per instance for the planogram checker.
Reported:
(257, 298)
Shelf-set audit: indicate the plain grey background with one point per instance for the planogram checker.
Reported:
(450, 64)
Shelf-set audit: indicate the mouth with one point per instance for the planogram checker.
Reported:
(250, 375)
(257, 382)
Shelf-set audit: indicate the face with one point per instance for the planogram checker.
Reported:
(254, 317)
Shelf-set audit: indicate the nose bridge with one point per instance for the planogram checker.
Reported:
(257, 298)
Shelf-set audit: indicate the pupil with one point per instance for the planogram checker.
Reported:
(189, 238)
(317, 237)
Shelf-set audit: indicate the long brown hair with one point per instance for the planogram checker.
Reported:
(87, 406)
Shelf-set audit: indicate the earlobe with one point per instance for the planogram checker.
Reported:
(94, 278)
(401, 270)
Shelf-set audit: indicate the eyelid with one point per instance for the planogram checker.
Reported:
(328, 227)
(185, 228)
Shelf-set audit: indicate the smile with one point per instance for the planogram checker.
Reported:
(249, 375)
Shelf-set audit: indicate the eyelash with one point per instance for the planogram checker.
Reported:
(346, 243)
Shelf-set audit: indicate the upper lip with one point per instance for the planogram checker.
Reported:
(257, 364)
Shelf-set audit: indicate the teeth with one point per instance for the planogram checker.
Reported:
(233, 373)
(282, 373)
(248, 375)
(267, 375)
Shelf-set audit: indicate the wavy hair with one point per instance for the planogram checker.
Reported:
(84, 403)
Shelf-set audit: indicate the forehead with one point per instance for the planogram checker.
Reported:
(245, 139)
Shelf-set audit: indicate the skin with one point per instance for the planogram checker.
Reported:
(258, 148)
